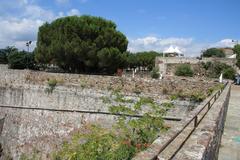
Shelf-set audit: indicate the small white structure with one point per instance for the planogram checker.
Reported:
(234, 56)
(172, 49)
(133, 72)
(161, 76)
(221, 78)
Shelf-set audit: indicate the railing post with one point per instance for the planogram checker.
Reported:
(195, 121)
(209, 105)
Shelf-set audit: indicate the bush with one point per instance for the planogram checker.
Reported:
(51, 85)
(213, 52)
(3, 57)
(214, 70)
(21, 60)
(184, 70)
(127, 137)
(155, 73)
(236, 50)
(229, 73)
(5, 52)
(197, 97)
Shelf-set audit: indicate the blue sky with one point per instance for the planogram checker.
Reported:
(190, 25)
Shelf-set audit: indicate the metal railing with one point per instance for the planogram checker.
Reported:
(196, 119)
(84, 111)
(1, 125)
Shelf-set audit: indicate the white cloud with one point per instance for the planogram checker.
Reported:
(19, 29)
(158, 44)
(15, 30)
(186, 45)
(73, 12)
(36, 12)
(224, 43)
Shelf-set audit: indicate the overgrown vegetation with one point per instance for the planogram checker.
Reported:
(214, 70)
(127, 137)
(145, 60)
(196, 96)
(213, 52)
(155, 73)
(184, 70)
(236, 50)
(5, 52)
(21, 60)
(215, 88)
(17, 59)
(52, 83)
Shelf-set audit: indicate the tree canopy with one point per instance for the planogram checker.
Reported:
(214, 70)
(21, 60)
(142, 59)
(236, 50)
(82, 44)
(5, 52)
(213, 52)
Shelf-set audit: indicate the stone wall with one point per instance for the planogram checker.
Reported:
(162, 63)
(32, 130)
(204, 142)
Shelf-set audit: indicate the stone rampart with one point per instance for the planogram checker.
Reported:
(202, 144)
(28, 130)
(162, 63)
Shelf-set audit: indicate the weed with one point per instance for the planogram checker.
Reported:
(51, 85)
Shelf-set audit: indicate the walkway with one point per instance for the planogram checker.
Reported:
(230, 145)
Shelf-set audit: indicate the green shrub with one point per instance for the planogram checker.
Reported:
(5, 52)
(21, 60)
(51, 85)
(184, 70)
(155, 73)
(213, 52)
(127, 137)
(206, 65)
(214, 70)
(197, 96)
(3, 57)
(100, 144)
(229, 73)
(236, 50)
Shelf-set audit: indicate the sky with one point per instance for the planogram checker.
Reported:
(190, 25)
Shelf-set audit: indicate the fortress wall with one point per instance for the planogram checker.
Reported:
(163, 63)
(32, 130)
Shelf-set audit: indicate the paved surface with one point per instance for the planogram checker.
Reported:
(230, 145)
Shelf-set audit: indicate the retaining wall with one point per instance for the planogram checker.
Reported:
(31, 130)
(204, 142)
(162, 63)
